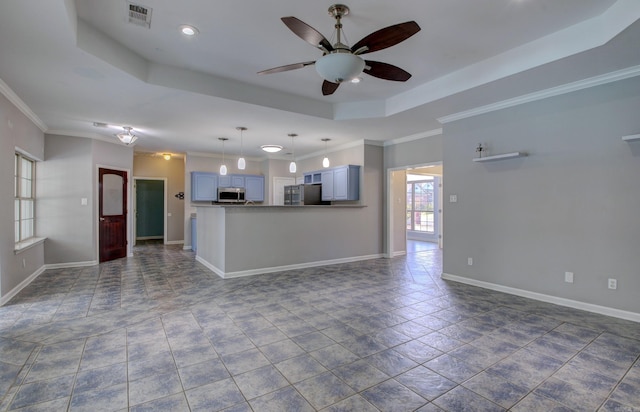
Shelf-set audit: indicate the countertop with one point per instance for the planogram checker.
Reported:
(250, 206)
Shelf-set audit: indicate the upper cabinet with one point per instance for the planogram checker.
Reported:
(341, 183)
(254, 188)
(204, 186)
(313, 178)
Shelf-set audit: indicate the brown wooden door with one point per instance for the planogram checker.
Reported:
(112, 214)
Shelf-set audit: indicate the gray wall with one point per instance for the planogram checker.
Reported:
(414, 152)
(571, 205)
(16, 130)
(70, 173)
(66, 178)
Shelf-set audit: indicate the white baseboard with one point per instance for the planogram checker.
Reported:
(174, 242)
(13, 292)
(589, 307)
(70, 264)
(399, 253)
(260, 271)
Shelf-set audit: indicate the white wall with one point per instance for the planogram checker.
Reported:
(16, 131)
(571, 205)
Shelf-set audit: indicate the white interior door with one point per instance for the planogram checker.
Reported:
(278, 189)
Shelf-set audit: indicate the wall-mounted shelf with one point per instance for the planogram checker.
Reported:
(503, 156)
(631, 138)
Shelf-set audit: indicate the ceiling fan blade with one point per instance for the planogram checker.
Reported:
(307, 33)
(329, 87)
(386, 71)
(387, 37)
(287, 67)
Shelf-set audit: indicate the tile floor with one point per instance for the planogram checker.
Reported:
(160, 332)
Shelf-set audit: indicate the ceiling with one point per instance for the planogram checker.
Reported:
(73, 63)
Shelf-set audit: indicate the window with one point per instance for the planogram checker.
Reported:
(24, 198)
(420, 203)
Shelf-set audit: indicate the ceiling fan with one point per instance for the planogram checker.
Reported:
(340, 63)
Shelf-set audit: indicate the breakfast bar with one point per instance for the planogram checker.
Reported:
(243, 240)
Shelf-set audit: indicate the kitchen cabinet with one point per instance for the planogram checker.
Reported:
(204, 186)
(313, 178)
(341, 183)
(231, 181)
(254, 188)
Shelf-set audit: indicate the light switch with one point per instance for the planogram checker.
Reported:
(169, 214)
(453, 198)
(83, 201)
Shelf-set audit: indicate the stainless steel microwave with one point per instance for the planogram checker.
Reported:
(230, 195)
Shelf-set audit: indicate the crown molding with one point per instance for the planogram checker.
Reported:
(22, 106)
(545, 94)
(417, 136)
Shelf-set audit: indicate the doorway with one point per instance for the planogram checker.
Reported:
(415, 210)
(149, 210)
(112, 214)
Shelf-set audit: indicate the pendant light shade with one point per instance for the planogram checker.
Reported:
(223, 167)
(292, 166)
(242, 164)
(325, 161)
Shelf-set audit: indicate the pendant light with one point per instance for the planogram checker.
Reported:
(292, 166)
(241, 162)
(325, 161)
(223, 167)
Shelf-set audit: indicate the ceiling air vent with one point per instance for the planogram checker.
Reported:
(139, 15)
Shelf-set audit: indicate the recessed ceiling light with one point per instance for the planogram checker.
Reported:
(356, 80)
(188, 30)
(271, 148)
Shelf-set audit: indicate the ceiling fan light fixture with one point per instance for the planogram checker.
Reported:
(339, 67)
(271, 148)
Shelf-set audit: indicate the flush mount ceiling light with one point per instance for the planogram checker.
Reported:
(271, 148)
(241, 162)
(292, 166)
(166, 156)
(188, 30)
(223, 167)
(127, 137)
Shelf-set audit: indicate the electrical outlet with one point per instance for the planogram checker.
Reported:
(453, 198)
(568, 277)
(613, 284)
(470, 261)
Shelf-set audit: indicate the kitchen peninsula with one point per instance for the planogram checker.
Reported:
(243, 240)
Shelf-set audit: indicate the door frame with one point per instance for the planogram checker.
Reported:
(134, 219)
(392, 207)
(97, 208)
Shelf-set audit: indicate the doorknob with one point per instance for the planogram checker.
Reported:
(102, 219)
